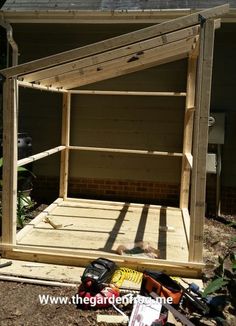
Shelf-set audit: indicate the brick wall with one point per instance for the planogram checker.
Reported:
(228, 197)
(46, 190)
(125, 190)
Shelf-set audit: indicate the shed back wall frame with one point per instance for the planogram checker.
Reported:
(192, 37)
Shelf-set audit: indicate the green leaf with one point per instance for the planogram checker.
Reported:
(214, 286)
(21, 169)
(234, 265)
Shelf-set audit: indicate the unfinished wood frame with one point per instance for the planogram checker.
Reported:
(188, 132)
(189, 37)
(9, 194)
(200, 141)
(65, 139)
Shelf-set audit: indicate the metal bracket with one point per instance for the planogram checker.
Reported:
(201, 20)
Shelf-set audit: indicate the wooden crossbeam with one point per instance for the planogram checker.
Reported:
(131, 49)
(38, 156)
(115, 42)
(124, 151)
(123, 260)
(41, 87)
(125, 93)
(146, 59)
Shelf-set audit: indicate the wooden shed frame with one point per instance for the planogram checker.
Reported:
(189, 37)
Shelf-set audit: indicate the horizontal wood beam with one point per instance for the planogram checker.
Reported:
(126, 93)
(79, 258)
(38, 156)
(116, 42)
(124, 151)
(41, 87)
(113, 203)
(54, 73)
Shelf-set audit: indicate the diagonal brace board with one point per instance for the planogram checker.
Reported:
(115, 42)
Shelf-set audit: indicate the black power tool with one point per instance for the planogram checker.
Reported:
(97, 273)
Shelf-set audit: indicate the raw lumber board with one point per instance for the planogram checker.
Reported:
(87, 212)
(105, 203)
(50, 272)
(112, 319)
(176, 247)
(49, 76)
(116, 224)
(115, 42)
(61, 273)
(147, 56)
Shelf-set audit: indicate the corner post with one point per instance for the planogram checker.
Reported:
(188, 130)
(9, 195)
(200, 141)
(65, 140)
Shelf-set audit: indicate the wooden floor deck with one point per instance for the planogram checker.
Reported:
(98, 226)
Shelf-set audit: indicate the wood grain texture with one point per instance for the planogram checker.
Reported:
(9, 195)
(188, 132)
(65, 140)
(200, 144)
(116, 224)
(116, 42)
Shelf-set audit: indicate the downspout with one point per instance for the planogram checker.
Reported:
(11, 41)
(14, 46)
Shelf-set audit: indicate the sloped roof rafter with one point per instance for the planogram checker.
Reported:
(138, 50)
(100, 58)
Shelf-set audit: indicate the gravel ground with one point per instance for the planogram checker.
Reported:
(20, 305)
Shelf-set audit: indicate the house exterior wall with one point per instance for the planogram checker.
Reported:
(223, 100)
(124, 122)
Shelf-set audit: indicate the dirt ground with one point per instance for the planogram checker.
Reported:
(20, 304)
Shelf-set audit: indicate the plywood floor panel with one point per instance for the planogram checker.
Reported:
(103, 226)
